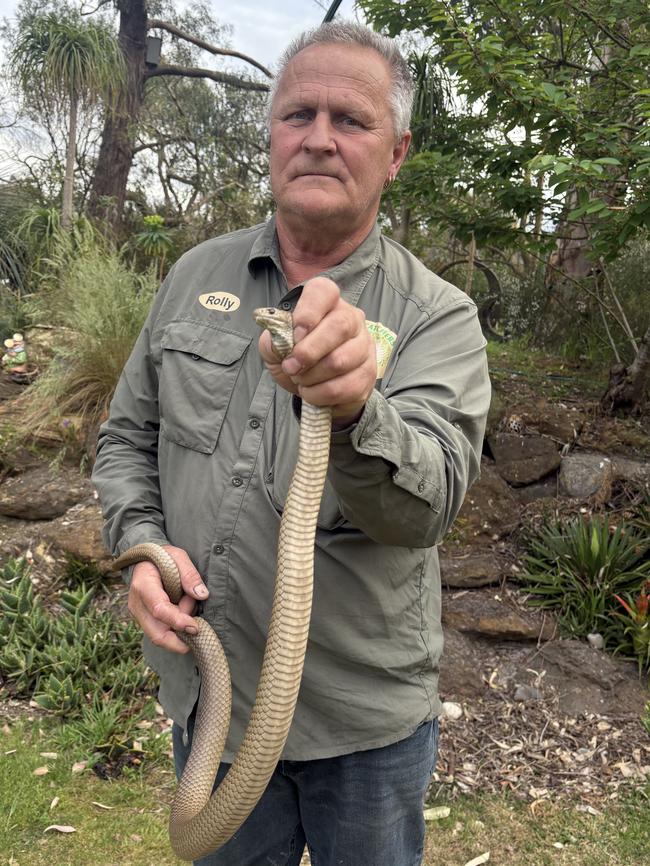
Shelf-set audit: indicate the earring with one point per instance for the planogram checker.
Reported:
(388, 182)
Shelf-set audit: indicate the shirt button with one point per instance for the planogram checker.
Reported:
(421, 487)
(254, 423)
(236, 481)
(286, 305)
(218, 548)
(196, 357)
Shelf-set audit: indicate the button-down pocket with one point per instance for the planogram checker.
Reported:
(200, 365)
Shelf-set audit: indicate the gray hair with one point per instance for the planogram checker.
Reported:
(349, 33)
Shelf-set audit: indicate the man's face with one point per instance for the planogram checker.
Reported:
(332, 135)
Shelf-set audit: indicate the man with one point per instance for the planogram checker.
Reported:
(198, 451)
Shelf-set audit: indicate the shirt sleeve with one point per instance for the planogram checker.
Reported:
(402, 472)
(126, 469)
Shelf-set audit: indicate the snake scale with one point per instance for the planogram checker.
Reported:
(202, 821)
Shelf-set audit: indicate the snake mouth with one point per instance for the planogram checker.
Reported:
(263, 314)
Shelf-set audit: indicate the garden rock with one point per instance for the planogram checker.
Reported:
(628, 469)
(586, 474)
(460, 666)
(9, 389)
(39, 494)
(523, 459)
(77, 535)
(524, 694)
(557, 421)
(494, 615)
(587, 680)
(547, 488)
(490, 510)
(471, 569)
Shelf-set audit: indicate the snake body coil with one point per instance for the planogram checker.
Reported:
(202, 821)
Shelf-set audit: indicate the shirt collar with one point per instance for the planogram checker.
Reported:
(351, 275)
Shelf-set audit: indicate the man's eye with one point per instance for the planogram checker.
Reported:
(301, 114)
(350, 121)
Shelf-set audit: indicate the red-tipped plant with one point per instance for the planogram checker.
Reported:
(637, 627)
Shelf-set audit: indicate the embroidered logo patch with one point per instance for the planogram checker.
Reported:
(384, 341)
(220, 302)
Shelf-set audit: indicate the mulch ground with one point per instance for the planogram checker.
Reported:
(535, 753)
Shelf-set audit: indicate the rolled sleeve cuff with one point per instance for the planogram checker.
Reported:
(378, 433)
(141, 533)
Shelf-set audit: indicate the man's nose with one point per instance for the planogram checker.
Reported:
(320, 135)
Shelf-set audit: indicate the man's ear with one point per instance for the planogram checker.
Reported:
(399, 152)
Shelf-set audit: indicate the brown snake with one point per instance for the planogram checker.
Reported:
(202, 821)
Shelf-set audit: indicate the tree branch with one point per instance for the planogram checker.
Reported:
(197, 72)
(621, 41)
(626, 325)
(150, 145)
(156, 23)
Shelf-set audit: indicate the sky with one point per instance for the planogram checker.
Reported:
(262, 28)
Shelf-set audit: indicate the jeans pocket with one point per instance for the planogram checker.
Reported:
(435, 737)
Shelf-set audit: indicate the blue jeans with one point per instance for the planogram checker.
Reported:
(362, 809)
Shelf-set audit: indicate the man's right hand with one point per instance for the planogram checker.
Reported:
(149, 604)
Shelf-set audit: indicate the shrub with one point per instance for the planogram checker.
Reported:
(579, 567)
(102, 305)
(77, 662)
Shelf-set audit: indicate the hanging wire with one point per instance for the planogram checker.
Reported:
(331, 12)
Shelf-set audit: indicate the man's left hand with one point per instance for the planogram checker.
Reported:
(333, 362)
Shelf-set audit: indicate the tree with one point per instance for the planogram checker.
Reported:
(117, 148)
(73, 61)
(200, 154)
(548, 143)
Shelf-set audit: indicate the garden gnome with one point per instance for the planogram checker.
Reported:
(15, 358)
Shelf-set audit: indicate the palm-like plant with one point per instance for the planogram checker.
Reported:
(74, 62)
(154, 241)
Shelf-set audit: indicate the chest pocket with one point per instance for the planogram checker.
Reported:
(200, 365)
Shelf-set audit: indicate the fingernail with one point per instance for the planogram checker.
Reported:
(291, 366)
(201, 590)
(299, 332)
(191, 629)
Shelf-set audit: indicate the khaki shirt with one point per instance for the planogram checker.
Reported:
(198, 452)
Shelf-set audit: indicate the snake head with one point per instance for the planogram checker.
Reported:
(279, 323)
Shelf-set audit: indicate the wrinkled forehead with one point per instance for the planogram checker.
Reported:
(342, 69)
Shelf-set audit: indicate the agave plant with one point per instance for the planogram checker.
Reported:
(579, 567)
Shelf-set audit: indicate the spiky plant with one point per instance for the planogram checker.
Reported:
(578, 568)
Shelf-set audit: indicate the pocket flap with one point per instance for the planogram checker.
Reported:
(214, 344)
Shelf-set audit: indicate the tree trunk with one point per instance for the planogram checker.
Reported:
(403, 226)
(627, 385)
(471, 257)
(108, 190)
(71, 152)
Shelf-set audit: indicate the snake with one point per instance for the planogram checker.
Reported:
(202, 820)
